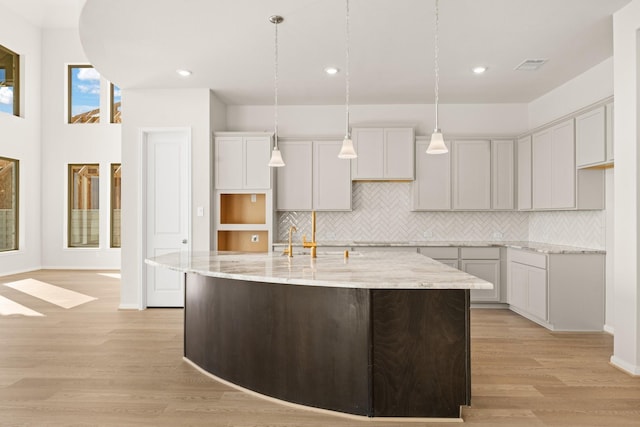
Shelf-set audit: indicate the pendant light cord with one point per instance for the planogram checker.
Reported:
(347, 134)
(275, 85)
(436, 65)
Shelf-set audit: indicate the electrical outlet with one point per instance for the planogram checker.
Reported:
(427, 234)
(255, 238)
(497, 235)
(253, 198)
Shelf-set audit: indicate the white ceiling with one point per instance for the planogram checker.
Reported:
(229, 46)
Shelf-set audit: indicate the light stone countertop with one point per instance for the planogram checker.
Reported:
(546, 248)
(369, 270)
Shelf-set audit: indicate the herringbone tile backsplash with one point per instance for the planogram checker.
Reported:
(576, 228)
(382, 212)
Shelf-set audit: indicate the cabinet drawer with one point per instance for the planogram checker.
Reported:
(529, 258)
(440, 252)
(480, 253)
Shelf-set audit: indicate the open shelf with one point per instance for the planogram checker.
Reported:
(242, 240)
(244, 208)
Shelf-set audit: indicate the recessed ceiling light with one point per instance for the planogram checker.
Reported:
(331, 70)
(479, 69)
(183, 73)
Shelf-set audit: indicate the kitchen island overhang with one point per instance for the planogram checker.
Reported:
(378, 334)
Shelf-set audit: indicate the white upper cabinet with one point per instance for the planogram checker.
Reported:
(591, 137)
(383, 153)
(432, 187)
(314, 178)
(502, 176)
(524, 173)
(294, 181)
(471, 175)
(331, 177)
(554, 169)
(609, 131)
(241, 161)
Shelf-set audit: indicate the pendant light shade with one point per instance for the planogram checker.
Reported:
(347, 151)
(437, 145)
(276, 157)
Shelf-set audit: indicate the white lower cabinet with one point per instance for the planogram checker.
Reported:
(563, 292)
(485, 264)
(482, 262)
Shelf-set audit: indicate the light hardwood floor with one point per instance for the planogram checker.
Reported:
(94, 365)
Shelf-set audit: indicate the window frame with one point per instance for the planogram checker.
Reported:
(112, 105)
(70, 193)
(16, 166)
(70, 67)
(16, 80)
(114, 167)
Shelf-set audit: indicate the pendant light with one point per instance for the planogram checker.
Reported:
(437, 145)
(276, 157)
(347, 151)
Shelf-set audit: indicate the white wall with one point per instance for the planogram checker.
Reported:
(188, 108)
(63, 143)
(626, 43)
(324, 120)
(589, 87)
(20, 139)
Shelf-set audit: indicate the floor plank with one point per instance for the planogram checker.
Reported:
(95, 365)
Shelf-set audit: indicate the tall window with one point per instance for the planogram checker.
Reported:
(116, 191)
(9, 82)
(116, 104)
(84, 94)
(8, 204)
(84, 206)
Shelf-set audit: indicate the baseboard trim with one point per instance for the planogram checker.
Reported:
(128, 307)
(608, 329)
(628, 368)
(27, 270)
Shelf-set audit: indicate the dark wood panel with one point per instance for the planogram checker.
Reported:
(304, 344)
(421, 355)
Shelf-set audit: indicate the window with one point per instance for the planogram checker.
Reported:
(116, 104)
(8, 204)
(84, 94)
(116, 190)
(84, 206)
(9, 82)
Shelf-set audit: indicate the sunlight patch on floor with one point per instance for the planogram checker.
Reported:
(52, 294)
(8, 308)
(112, 275)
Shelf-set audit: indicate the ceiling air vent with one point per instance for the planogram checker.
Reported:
(530, 64)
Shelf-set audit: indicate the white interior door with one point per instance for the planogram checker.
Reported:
(167, 212)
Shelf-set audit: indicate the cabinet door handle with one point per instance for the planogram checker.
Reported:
(184, 241)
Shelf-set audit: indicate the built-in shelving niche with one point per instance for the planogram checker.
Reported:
(243, 222)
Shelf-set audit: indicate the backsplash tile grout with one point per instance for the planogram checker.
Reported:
(382, 212)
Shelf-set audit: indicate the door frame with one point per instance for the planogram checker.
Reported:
(144, 133)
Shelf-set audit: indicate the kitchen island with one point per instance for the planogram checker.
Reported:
(376, 334)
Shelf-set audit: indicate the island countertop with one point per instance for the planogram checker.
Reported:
(368, 270)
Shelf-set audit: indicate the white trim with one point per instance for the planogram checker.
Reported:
(76, 267)
(26, 270)
(609, 329)
(128, 307)
(625, 367)
(142, 206)
(326, 411)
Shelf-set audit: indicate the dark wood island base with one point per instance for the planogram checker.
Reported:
(367, 352)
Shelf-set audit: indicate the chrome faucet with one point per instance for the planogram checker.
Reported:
(312, 244)
(289, 249)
